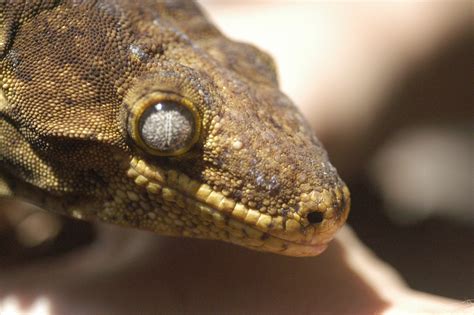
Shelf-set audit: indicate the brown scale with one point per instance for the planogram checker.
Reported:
(73, 79)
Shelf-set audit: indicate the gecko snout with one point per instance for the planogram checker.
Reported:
(326, 207)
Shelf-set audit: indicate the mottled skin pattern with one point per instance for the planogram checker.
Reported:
(73, 71)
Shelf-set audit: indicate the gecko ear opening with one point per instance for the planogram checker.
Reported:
(164, 124)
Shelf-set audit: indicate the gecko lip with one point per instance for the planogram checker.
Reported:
(315, 241)
(268, 242)
(310, 239)
(225, 219)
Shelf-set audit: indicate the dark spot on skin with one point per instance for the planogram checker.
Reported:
(258, 204)
(297, 208)
(284, 212)
(264, 236)
(275, 124)
(315, 217)
(159, 50)
(273, 186)
(92, 74)
(237, 194)
(69, 102)
(274, 192)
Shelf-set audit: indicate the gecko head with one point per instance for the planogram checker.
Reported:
(153, 119)
(223, 157)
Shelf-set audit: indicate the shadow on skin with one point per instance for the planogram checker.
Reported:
(130, 272)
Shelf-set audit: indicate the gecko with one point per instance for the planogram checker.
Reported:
(143, 114)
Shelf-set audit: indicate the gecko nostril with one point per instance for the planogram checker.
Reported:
(315, 217)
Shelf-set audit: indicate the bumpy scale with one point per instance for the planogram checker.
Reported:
(77, 78)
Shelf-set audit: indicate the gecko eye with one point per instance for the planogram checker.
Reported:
(167, 127)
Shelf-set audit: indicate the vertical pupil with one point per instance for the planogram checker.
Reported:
(168, 129)
(167, 126)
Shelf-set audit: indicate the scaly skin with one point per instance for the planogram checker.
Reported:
(72, 75)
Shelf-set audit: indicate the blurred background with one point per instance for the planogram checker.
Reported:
(388, 88)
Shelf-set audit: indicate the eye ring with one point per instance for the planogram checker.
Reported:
(183, 108)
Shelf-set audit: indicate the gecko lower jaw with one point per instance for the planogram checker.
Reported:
(267, 242)
(287, 248)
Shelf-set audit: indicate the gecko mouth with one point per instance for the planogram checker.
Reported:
(214, 216)
(306, 241)
(265, 241)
